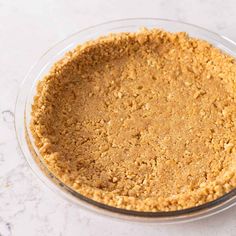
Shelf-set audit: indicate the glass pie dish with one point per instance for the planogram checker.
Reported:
(41, 68)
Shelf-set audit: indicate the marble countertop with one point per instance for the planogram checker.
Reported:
(27, 30)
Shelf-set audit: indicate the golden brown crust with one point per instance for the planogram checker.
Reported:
(142, 121)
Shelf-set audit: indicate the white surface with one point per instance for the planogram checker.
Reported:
(27, 30)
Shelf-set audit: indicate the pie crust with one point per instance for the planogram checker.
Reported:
(144, 121)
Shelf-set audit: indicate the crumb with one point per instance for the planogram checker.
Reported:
(140, 121)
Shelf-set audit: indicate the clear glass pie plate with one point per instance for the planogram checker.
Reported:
(32, 156)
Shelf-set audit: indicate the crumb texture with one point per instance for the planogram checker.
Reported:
(143, 121)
